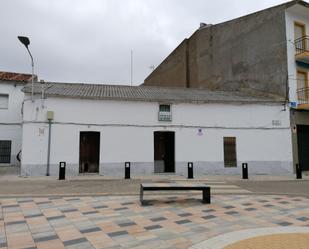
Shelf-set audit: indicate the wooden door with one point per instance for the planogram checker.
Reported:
(89, 152)
(303, 146)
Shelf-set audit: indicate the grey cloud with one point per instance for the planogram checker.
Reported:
(90, 41)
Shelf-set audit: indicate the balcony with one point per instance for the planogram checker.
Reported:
(303, 98)
(302, 51)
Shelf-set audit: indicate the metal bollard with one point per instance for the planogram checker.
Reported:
(245, 171)
(127, 168)
(190, 170)
(62, 166)
(298, 171)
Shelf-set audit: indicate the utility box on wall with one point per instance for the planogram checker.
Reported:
(50, 115)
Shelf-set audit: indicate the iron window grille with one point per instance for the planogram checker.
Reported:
(303, 95)
(301, 45)
(5, 151)
(165, 113)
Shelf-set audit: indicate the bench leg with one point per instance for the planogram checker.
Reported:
(141, 195)
(206, 196)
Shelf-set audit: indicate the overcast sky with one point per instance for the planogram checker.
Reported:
(91, 40)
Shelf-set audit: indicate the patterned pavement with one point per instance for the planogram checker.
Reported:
(168, 221)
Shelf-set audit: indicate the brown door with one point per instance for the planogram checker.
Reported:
(164, 151)
(89, 152)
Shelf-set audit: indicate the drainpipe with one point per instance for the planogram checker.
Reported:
(50, 117)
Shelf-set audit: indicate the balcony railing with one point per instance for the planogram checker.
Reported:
(302, 45)
(303, 95)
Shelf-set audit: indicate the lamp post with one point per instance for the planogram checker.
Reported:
(25, 40)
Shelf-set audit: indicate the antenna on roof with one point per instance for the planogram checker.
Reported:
(152, 68)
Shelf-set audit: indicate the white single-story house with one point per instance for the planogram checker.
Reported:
(97, 128)
(11, 100)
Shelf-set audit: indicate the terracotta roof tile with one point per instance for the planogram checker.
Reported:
(16, 77)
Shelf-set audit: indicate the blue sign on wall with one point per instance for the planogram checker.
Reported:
(293, 104)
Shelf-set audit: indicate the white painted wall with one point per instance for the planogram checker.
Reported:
(11, 118)
(296, 13)
(127, 135)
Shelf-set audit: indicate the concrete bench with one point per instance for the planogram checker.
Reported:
(175, 186)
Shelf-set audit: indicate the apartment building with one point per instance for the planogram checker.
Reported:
(263, 53)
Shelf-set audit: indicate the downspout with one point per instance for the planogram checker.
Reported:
(50, 117)
(48, 148)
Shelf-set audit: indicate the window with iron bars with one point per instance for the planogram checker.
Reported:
(165, 113)
(5, 151)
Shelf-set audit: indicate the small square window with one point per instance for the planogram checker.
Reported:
(165, 108)
(4, 101)
(165, 113)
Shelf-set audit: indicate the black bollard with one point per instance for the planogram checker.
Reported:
(245, 171)
(127, 167)
(190, 170)
(298, 171)
(62, 166)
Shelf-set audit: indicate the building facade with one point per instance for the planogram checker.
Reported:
(97, 128)
(11, 100)
(266, 52)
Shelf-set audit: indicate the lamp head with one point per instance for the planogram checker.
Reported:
(24, 40)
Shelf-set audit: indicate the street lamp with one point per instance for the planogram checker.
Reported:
(25, 40)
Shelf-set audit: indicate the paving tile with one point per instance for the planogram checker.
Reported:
(158, 219)
(182, 221)
(127, 224)
(10, 206)
(43, 202)
(15, 223)
(284, 223)
(250, 209)
(153, 227)
(91, 230)
(118, 233)
(208, 217)
(121, 209)
(303, 218)
(184, 214)
(128, 203)
(45, 238)
(74, 242)
(55, 217)
(33, 216)
(90, 212)
(73, 199)
(229, 207)
(100, 207)
(268, 205)
(69, 210)
(231, 213)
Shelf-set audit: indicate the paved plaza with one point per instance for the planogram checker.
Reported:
(96, 212)
(167, 221)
